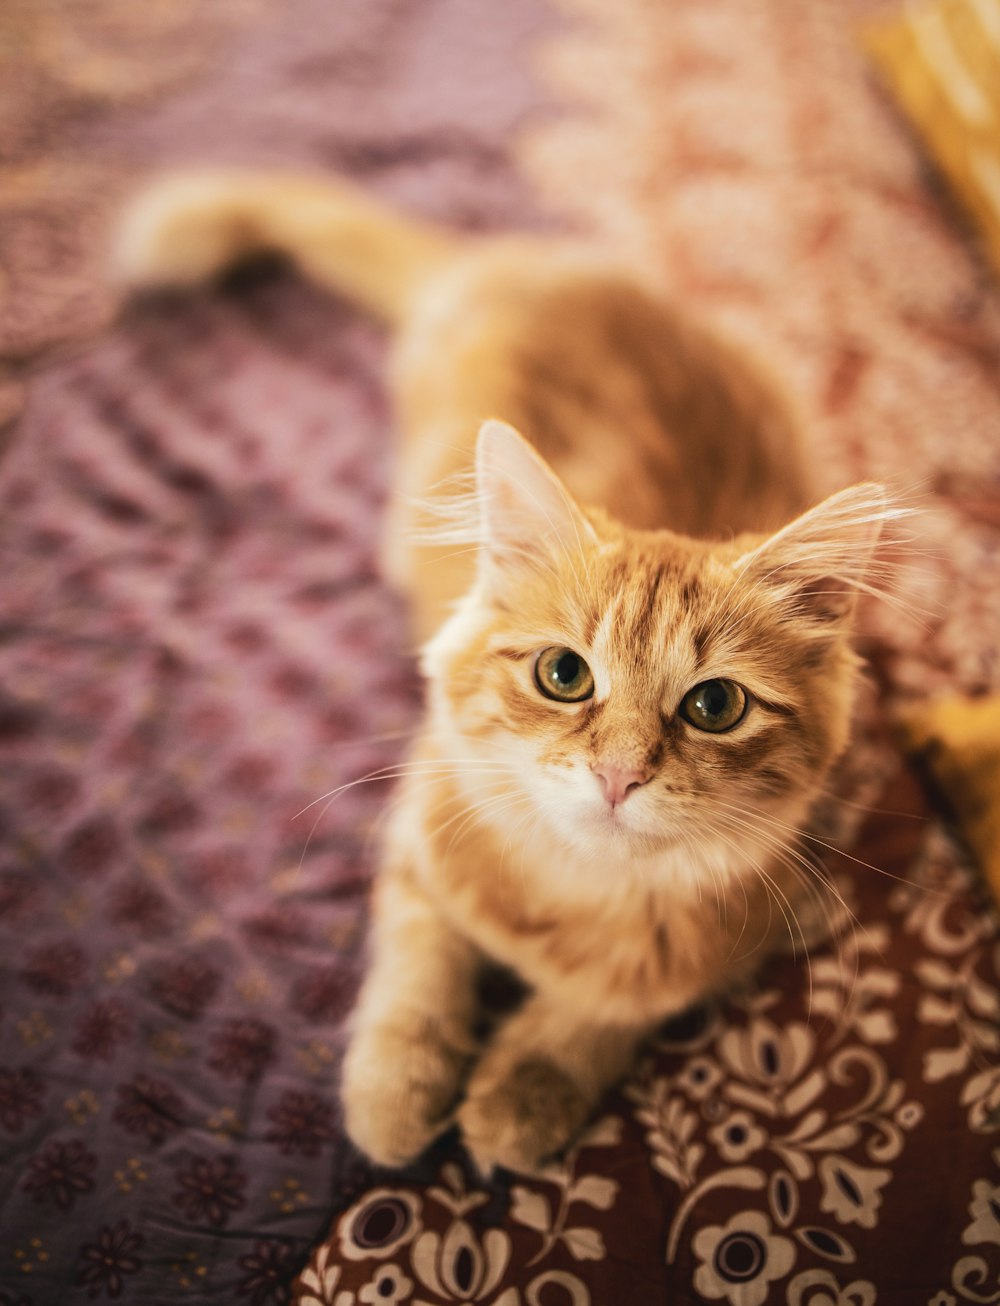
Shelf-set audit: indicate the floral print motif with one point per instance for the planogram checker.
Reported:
(767, 1099)
(318, 1281)
(301, 1122)
(851, 1192)
(61, 1173)
(699, 1077)
(150, 1108)
(740, 1259)
(141, 907)
(984, 1210)
(766, 1057)
(379, 1224)
(107, 1261)
(461, 1265)
(267, 1272)
(277, 929)
(244, 1049)
(91, 848)
(389, 1287)
(671, 1131)
(103, 1027)
(55, 969)
(186, 987)
(971, 1273)
(20, 1098)
(465, 1264)
(211, 1188)
(962, 999)
(981, 1094)
(553, 1220)
(737, 1137)
(321, 994)
(821, 1288)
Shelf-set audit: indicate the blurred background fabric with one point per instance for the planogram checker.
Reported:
(65, 67)
(95, 92)
(196, 648)
(942, 61)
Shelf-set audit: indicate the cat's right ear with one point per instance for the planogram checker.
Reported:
(525, 510)
(822, 561)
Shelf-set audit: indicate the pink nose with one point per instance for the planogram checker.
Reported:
(617, 782)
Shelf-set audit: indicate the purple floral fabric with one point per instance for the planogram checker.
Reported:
(197, 662)
(188, 598)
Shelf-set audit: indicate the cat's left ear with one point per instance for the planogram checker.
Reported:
(822, 560)
(525, 510)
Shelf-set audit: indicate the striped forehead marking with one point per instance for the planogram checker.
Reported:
(651, 612)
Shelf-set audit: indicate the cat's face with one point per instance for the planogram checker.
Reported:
(645, 690)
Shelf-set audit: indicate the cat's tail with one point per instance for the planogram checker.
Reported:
(185, 227)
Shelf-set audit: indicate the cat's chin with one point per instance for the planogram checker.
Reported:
(617, 855)
(617, 832)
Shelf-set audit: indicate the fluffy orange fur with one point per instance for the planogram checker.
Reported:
(622, 837)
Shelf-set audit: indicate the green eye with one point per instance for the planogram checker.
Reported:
(563, 675)
(715, 706)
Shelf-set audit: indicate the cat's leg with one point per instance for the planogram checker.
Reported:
(537, 1083)
(411, 1043)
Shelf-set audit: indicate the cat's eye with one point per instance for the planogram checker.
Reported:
(715, 706)
(563, 675)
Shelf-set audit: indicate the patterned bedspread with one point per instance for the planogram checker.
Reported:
(198, 662)
(189, 597)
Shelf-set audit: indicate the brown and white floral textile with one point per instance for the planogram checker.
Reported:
(195, 647)
(832, 1143)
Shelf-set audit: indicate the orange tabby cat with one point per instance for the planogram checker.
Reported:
(639, 674)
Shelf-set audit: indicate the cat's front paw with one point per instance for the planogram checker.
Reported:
(523, 1120)
(399, 1088)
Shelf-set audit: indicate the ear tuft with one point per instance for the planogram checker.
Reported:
(525, 507)
(823, 559)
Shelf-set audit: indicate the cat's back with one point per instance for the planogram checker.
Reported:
(639, 409)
